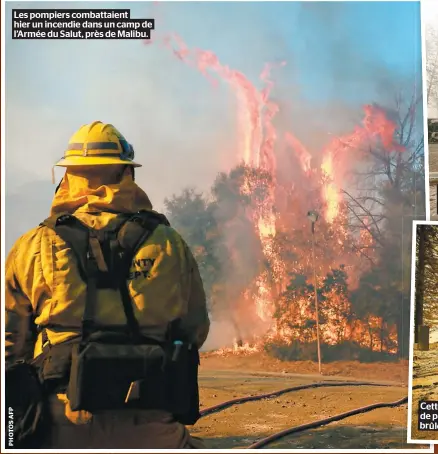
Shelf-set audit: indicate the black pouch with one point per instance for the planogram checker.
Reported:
(28, 417)
(55, 366)
(102, 374)
(182, 376)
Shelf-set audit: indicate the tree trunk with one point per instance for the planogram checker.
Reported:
(419, 281)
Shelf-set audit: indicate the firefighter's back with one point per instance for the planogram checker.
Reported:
(158, 281)
(105, 263)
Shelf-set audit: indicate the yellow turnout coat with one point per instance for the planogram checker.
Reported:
(42, 279)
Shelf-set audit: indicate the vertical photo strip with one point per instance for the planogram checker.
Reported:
(423, 380)
(208, 225)
(423, 399)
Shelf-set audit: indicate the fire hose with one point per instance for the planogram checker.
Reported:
(242, 400)
(312, 425)
(323, 422)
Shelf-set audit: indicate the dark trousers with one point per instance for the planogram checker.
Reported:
(124, 429)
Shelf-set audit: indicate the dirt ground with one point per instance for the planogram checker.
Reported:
(394, 372)
(224, 378)
(425, 378)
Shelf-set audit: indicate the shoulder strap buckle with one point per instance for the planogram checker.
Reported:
(64, 219)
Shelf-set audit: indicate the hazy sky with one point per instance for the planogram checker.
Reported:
(339, 57)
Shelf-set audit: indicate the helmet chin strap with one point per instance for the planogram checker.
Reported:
(59, 185)
(122, 172)
(132, 171)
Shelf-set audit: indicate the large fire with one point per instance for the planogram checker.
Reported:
(257, 142)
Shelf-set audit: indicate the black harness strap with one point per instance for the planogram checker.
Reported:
(75, 234)
(131, 236)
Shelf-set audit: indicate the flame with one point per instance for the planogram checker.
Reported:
(376, 128)
(267, 153)
(257, 139)
(263, 299)
(330, 191)
(250, 100)
(377, 124)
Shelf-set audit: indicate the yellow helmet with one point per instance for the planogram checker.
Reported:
(97, 144)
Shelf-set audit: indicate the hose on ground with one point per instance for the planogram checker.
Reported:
(425, 386)
(322, 422)
(242, 400)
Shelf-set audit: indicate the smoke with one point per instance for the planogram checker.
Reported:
(222, 334)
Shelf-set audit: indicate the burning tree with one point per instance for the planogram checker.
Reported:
(253, 240)
(336, 307)
(389, 194)
(239, 199)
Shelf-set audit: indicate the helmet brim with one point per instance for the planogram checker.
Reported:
(94, 161)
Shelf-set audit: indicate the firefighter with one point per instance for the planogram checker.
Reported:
(50, 286)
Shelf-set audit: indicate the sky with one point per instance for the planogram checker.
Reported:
(339, 56)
